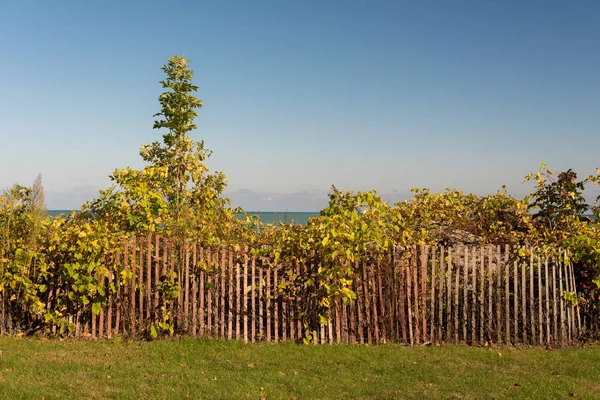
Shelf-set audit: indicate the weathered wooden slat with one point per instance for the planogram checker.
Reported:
(293, 303)
(298, 301)
(540, 300)
(524, 301)
(149, 279)
(456, 296)
(141, 285)
(321, 335)
(473, 262)
(499, 303)
(562, 304)
(392, 296)
(94, 327)
(433, 308)
(230, 295)
(367, 304)
(194, 289)
(216, 291)
(383, 330)
(268, 303)
(329, 328)
(441, 295)
(338, 317)
(186, 304)
(403, 295)
(465, 316)
(374, 301)
(109, 301)
(576, 310)
(101, 314)
(245, 297)
(531, 299)
(118, 299)
(482, 281)
(408, 276)
(352, 311)
(555, 312)
(253, 315)
(238, 300)
(284, 315)
(424, 292)
(568, 305)
(547, 296)
(132, 287)
(202, 294)
(450, 274)
(276, 300)
(414, 269)
(516, 302)
(209, 292)
(156, 277)
(361, 301)
(507, 294)
(164, 272)
(173, 311)
(223, 294)
(261, 318)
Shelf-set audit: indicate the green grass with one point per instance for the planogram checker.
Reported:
(38, 368)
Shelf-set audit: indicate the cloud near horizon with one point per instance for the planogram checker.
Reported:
(311, 200)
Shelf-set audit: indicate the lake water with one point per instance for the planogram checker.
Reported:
(272, 217)
(268, 217)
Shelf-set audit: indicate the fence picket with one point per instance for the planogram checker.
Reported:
(540, 301)
(441, 296)
(415, 268)
(230, 296)
(403, 295)
(432, 309)
(424, 292)
(408, 277)
(253, 315)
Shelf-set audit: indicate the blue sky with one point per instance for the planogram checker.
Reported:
(300, 95)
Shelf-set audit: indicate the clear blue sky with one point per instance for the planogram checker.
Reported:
(299, 95)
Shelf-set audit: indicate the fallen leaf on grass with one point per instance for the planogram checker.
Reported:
(250, 365)
(499, 354)
(283, 373)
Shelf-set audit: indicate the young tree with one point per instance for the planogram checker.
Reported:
(175, 192)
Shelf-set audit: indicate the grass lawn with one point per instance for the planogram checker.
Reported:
(209, 369)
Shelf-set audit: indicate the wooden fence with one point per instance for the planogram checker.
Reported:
(416, 296)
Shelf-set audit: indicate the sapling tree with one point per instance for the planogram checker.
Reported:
(174, 192)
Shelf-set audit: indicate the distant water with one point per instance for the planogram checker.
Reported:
(266, 217)
(271, 217)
